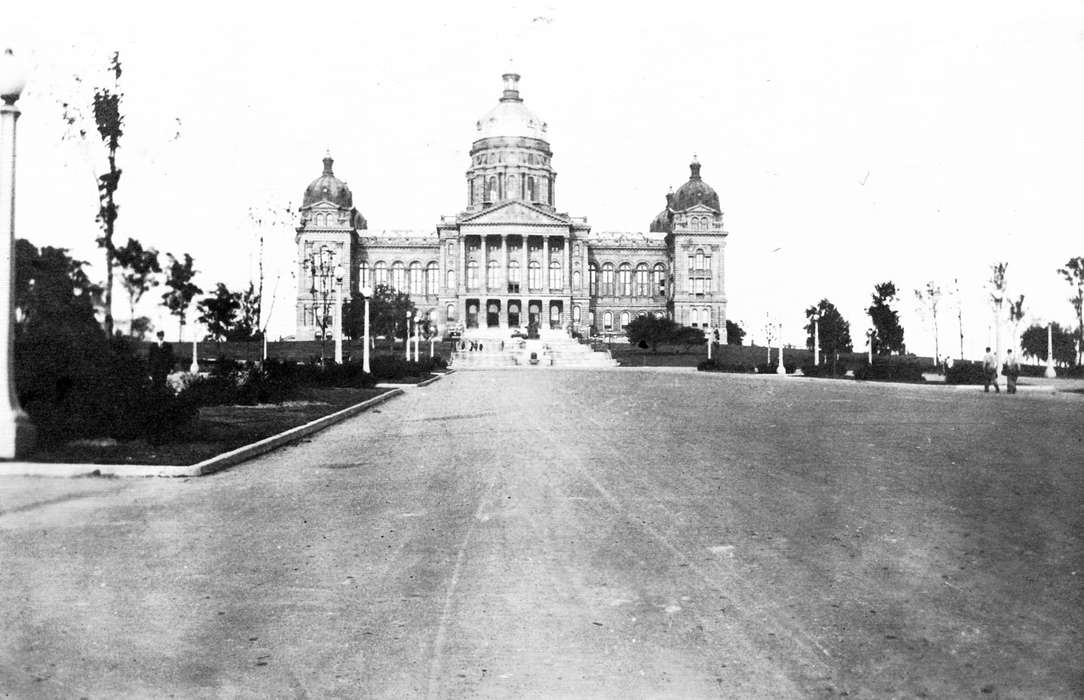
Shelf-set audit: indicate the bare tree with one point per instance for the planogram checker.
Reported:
(1073, 272)
(929, 299)
(997, 287)
(959, 314)
(1016, 315)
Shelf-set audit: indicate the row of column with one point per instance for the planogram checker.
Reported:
(524, 267)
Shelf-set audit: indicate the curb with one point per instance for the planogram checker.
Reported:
(207, 466)
(1023, 389)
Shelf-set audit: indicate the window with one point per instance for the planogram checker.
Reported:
(624, 280)
(534, 273)
(577, 280)
(380, 273)
(398, 276)
(417, 283)
(451, 280)
(363, 274)
(660, 279)
(491, 190)
(592, 279)
(432, 279)
(576, 314)
(624, 319)
(530, 189)
(699, 260)
(643, 285)
(472, 274)
(608, 279)
(555, 276)
(608, 321)
(513, 276)
(450, 312)
(698, 285)
(492, 270)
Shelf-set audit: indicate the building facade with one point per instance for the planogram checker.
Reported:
(509, 258)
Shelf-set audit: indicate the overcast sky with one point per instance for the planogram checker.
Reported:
(849, 144)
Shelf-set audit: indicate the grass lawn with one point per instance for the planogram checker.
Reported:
(217, 429)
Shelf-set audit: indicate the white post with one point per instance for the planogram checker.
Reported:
(709, 336)
(406, 337)
(265, 344)
(194, 367)
(16, 430)
(869, 345)
(816, 340)
(1050, 351)
(417, 341)
(781, 369)
(432, 338)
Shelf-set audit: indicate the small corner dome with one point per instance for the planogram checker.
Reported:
(695, 191)
(328, 188)
(510, 117)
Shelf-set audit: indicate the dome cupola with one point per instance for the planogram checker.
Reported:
(510, 117)
(695, 191)
(328, 188)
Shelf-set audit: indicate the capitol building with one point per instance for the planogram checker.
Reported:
(510, 259)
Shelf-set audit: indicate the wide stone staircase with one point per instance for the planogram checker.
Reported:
(496, 349)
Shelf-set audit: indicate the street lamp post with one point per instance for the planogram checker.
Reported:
(816, 338)
(1050, 373)
(869, 344)
(417, 339)
(338, 314)
(193, 368)
(366, 293)
(781, 369)
(406, 337)
(16, 430)
(708, 335)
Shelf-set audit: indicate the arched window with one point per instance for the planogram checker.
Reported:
(380, 273)
(624, 279)
(556, 282)
(608, 321)
(493, 269)
(592, 279)
(417, 283)
(472, 274)
(607, 279)
(530, 189)
(624, 319)
(451, 281)
(449, 312)
(576, 313)
(534, 272)
(643, 284)
(513, 276)
(659, 274)
(577, 280)
(363, 274)
(398, 276)
(432, 279)
(491, 190)
(699, 259)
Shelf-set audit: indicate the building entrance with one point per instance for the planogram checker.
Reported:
(556, 308)
(513, 314)
(493, 313)
(472, 313)
(534, 313)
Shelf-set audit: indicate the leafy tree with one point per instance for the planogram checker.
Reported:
(1016, 315)
(219, 312)
(388, 309)
(53, 293)
(1073, 273)
(888, 333)
(1033, 343)
(138, 268)
(929, 298)
(649, 331)
(109, 123)
(181, 289)
(835, 332)
(735, 334)
(248, 321)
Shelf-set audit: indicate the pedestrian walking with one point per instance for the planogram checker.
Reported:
(1012, 371)
(989, 372)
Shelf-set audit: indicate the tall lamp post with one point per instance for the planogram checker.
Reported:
(366, 293)
(406, 337)
(1050, 373)
(781, 369)
(417, 338)
(338, 314)
(869, 344)
(816, 338)
(16, 430)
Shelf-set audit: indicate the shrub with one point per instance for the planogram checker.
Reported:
(772, 367)
(824, 370)
(964, 372)
(716, 366)
(883, 370)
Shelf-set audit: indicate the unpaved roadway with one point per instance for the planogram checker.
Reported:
(571, 534)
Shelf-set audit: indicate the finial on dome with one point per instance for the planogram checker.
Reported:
(694, 167)
(328, 160)
(511, 88)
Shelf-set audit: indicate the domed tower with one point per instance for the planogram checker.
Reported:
(510, 157)
(326, 242)
(696, 240)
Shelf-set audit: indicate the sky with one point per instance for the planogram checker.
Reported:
(850, 143)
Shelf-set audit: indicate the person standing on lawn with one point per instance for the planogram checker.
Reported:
(1012, 371)
(989, 371)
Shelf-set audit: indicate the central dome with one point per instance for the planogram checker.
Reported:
(510, 117)
(695, 191)
(329, 188)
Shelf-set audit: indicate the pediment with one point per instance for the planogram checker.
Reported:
(513, 213)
